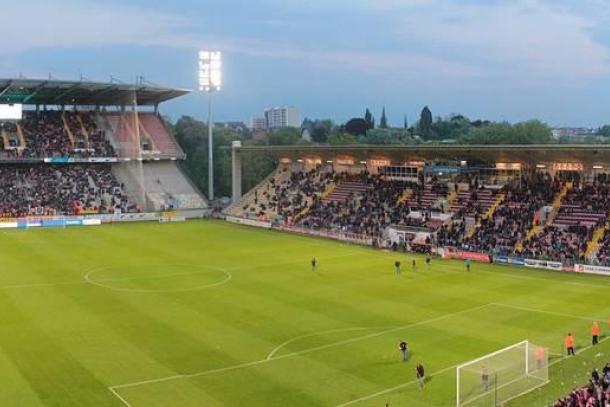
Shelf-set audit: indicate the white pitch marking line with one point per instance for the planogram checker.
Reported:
(391, 389)
(119, 397)
(299, 353)
(560, 314)
(330, 331)
(99, 283)
(579, 351)
(33, 285)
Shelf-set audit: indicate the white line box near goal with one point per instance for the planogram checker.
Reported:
(498, 377)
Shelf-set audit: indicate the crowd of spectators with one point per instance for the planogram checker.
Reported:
(368, 213)
(368, 204)
(595, 394)
(49, 190)
(89, 140)
(288, 193)
(603, 251)
(584, 208)
(46, 135)
(515, 216)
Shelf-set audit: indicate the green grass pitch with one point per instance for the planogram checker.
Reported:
(207, 313)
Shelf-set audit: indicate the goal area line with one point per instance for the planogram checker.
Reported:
(116, 388)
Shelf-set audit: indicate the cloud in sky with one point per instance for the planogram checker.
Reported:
(70, 23)
(471, 56)
(526, 40)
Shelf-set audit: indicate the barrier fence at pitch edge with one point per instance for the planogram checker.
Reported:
(99, 219)
(444, 252)
(341, 236)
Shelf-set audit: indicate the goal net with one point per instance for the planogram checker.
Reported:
(493, 379)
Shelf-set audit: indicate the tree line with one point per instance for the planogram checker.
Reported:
(191, 134)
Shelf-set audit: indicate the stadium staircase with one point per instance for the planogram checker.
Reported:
(344, 190)
(67, 128)
(145, 135)
(536, 229)
(109, 124)
(329, 190)
(492, 209)
(83, 129)
(557, 203)
(451, 197)
(5, 139)
(406, 196)
(593, 244)
(160, 136)
(123, 133)
(486, 215)
(21, 136)
(280, 175)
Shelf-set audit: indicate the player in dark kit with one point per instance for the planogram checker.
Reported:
(314, 263)
(404, 350)
(428, 261)
(419, 372)
(397, 267)
(414, 264)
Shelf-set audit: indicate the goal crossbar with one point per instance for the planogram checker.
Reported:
(501, 375)
(489, 355)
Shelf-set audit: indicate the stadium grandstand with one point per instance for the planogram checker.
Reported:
(544, 205)
(82, 148)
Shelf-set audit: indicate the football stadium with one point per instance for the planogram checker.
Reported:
(352, 275)
(282, 221)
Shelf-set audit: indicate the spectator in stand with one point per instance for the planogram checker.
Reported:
(48, 135)
(595, 394)
(48, 190)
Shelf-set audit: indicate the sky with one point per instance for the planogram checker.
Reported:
(487, 59)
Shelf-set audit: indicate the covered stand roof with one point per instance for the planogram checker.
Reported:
(527, 154)
(84, 93)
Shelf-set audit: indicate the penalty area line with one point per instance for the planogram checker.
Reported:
(392, 389)
(539, 311)
(114, 389)
(125, 402)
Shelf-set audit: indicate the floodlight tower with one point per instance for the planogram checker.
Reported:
(210, 81)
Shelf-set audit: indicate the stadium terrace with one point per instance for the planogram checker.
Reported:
(86, 148)
(540, 206)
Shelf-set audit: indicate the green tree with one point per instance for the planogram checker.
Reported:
(370, 121)
(383, 122)
(604, 131)
(192, 135)
(342, 138)
(425, 124)
(530, 132)
(382, 136)
(321, 131)
(451, 128)
(284, 136)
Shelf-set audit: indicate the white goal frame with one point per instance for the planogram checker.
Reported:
(527, 347)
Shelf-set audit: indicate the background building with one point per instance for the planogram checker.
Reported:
(278, 117)
(258, 123)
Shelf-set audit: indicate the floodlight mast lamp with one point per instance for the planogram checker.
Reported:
(210, 81)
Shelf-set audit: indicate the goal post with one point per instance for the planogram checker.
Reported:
(493, 379)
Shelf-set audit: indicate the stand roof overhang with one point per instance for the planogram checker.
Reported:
(526, 154)
(83, 93)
